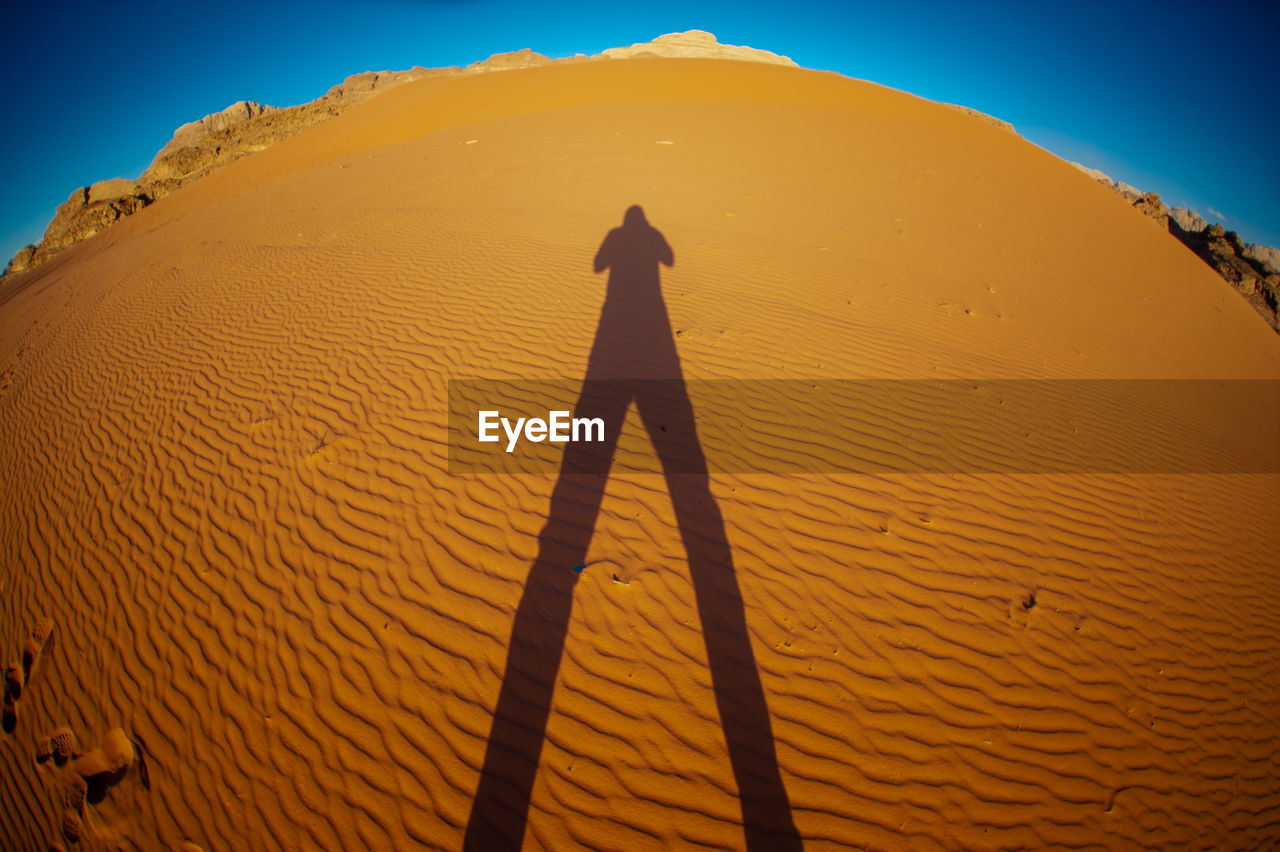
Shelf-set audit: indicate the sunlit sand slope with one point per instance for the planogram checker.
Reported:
(226, 484)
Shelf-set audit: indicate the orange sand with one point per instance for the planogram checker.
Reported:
(224, 455)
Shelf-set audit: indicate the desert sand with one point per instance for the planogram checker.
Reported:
(229, 521)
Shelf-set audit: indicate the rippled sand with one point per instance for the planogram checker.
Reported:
(226, 484)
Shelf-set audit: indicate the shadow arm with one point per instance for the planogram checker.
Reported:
(665, 254)
(603, 260)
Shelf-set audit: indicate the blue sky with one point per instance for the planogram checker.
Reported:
(1175, 97)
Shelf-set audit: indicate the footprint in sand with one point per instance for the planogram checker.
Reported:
(60, 745)
(38, 644)
(13, 682)
(17, 675)
(72, 826)
(75, 795)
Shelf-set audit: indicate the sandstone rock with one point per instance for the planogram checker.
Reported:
(1252, 270)
(693, 44)
(1224, 251)
(1096, 174)
(1151, 206)
(1133, 194)
(109, 190)
(989, 119)
(78, 219)
(179, 163)
(200, 147)
(1188, 220)
(524, 58)
(1266, 255)
(207, 144)
(66, 212)
(21, 260)
(189, 133)
(360, 87)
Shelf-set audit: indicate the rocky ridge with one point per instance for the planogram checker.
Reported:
(200, 147)
(196, 149)
(693, 44)
(1253, 270)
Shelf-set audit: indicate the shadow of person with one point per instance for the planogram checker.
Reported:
(633, 359)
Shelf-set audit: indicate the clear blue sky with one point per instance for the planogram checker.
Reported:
(1175, 97)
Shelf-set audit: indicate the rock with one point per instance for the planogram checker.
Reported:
(360, 87)
(1252, 270)
(524, 58)
(109, 190)
(190, 133)
(21, 260)
(79, 219)
(179, 163)
(1132, 193)
(207, 144)
(1188, 220)
(1151, 207)
(1097, 175)
(1225, 252)
(1266, 255)
(65, 213)
(693, 44)
(989, 119)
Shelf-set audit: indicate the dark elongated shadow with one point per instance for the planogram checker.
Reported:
(633, 359)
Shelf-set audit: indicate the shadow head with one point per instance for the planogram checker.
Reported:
(634, 217)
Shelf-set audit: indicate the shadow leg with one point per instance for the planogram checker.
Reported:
(740, 699)
(500, 809)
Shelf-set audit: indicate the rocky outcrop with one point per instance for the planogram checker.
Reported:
(191, 132)
(1266, 255)
(196, 149)
(21, 260)
(1150, 205)
(1188, 220)
(200, 147)
(80, 217)
(358, 88)
(513, 61)
(1230, 258)
(989, 119)
(694, 44)
(1251, 269)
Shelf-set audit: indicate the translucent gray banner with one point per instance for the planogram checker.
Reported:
(622, 427)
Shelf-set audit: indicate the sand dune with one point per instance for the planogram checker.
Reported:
(225, 443)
